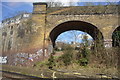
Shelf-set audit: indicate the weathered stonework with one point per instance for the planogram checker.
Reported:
(14, 35)
(29, 39)
(49, 22)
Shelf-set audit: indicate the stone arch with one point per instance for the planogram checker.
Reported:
(113, 30)
(71, 18)
(75, 25)
(115, 38)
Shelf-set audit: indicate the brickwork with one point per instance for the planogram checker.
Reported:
(29, 36)
(46, 19)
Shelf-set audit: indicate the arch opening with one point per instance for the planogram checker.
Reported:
(90, 29)
(72, 37)
(116, 37)
(75, 39)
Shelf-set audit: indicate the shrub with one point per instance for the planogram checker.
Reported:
(82, 55)
(83, 61)
(85, 52)
(116, 39)
(51, 62)
(67, 56)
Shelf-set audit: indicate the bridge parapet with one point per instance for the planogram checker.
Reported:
(81, 10)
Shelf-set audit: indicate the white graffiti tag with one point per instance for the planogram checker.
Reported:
(3, 59)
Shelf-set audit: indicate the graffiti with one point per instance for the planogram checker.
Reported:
(22, 58)
(108, 43)
(45, 52)
(50, 49)
(30, 58)
(39, 52)
(24, 55)
(3, 59)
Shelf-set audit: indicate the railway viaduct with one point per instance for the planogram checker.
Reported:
(98, 21)
(47, 23)
(95, 20)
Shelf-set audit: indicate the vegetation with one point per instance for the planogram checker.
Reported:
(82, 55)
(83, 61)
(51, 62)
(84, 51)
(116, 38)
(85, 54)
(67, 56)
(71, 55)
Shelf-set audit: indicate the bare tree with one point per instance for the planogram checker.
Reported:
(75, 36)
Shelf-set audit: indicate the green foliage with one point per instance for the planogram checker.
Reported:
(84, 52)
(116, 38)
(40, 64)
(51, 62)
(67, 56)
(83, 61)
(82, 56)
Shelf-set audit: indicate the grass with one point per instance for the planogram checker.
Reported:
(83, 70)
(34, 71)
(93, 68)
(21, 70)
(71, 70)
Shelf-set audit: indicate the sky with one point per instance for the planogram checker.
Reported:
(69, 36)
(9, 8)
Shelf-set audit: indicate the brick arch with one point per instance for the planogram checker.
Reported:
(75, 25)
(72, 18)
(114, 29)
